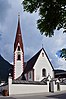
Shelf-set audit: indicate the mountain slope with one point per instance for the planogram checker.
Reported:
(5, 68)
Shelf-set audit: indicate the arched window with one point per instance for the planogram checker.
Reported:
(18, 48)
(18, 57)
(43, 72)
(42, 54)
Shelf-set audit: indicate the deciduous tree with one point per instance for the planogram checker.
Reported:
(52, 14)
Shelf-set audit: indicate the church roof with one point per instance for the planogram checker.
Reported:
(18, 38)
(30, 64)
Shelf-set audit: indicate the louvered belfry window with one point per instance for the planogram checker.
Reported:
(18, 48)
(19, 57)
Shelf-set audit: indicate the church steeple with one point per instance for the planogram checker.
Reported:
(18, 53)
(18, 38)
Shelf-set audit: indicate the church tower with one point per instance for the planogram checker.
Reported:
(18, 53)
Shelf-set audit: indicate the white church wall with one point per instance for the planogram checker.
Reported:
(18, 68)
(62, 87)
(42, 62)
(31, 88)
(55, 88)
(27, 89)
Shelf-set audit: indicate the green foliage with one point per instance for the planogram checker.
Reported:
(63, 53)
(52, 14)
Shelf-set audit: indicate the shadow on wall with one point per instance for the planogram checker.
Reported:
(58, 96)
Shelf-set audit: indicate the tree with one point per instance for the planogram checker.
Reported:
(52, 15)
(63, 53)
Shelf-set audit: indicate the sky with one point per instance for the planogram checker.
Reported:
(32, 38)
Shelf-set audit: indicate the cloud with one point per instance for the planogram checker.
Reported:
(4, 7)
(0, 36)
(7, 52)
(29, 52)
(32, 38)
(61, 63)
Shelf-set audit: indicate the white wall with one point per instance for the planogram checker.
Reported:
(42, 62)
(55, 88)
(62, 87)
(26, 89)
(30, 88)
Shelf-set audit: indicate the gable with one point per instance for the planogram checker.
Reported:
(43, 60)
(41, 64)
(48, 59)
(31, 63)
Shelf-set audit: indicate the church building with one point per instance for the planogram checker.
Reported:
(36, 68)
(36, 75)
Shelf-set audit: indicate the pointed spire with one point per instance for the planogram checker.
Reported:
(18, 38)
(18, 27)
(18, 16)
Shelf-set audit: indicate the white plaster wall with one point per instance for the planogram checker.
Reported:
(62, 87)
(26, 89)
(18, 64)
(42, 62)
(55, 88)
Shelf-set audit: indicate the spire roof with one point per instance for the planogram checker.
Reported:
(18, 38)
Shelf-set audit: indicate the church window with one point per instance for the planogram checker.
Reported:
(18, 48)
(18, 57)
(42, 54)
(43, 72)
